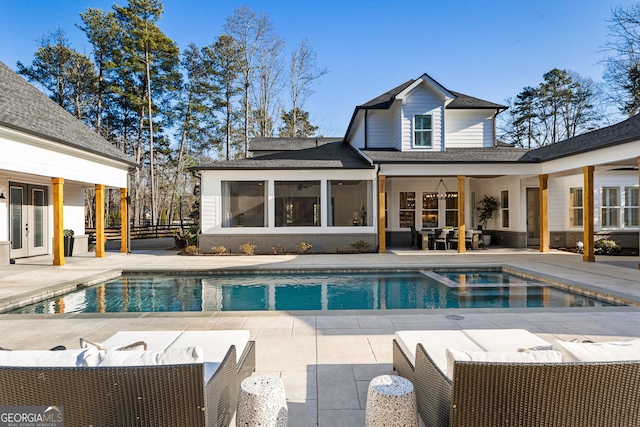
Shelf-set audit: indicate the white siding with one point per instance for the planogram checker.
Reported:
(357, 140)
(558, 198)
(468, 128)
(60, 162)
(422, 101)
(397, 128)
(380, 129)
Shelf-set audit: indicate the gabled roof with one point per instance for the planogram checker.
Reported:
(331, 155)
(26, 109)
(288, 144)
(625, 131)
(460, 100)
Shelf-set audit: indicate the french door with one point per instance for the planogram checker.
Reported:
(27, 219)
(533, 217)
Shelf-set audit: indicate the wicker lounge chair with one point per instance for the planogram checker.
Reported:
(192, 394)
(580, 394)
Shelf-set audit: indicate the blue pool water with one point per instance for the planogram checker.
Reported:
(352, 291)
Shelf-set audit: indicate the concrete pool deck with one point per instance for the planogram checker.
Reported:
(325, 360)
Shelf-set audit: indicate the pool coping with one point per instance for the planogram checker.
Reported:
(35, 296)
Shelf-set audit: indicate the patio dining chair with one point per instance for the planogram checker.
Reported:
(468, 239)
(442, 238)
(415, 238)
(453, 240)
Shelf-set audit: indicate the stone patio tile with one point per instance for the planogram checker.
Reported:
(430, 326)
(303, 413)
(367, 372)
(336, 388)
(375, 322)
(225, 323)
(301, 385)
(337, 322)
(343, 349)
(340, 418)
(269, 322)
(273, 334)
(363, 388)
(285, 355)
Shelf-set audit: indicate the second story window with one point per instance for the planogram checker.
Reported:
(422, 131)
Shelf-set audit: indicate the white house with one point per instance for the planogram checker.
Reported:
(47, 159)
(423, 156)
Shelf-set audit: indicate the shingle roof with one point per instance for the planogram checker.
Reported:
(463, 101)
(332, 155)
(288, 144)
(25, 108)
(625, 131)
(451, 155)
(385, 100)
(459, 102)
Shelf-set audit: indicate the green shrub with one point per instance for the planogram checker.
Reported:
(248, 248)
(68, 233)
(184, 238)
(277, 250)
(605, 247)
(304, 247)
(360, 246)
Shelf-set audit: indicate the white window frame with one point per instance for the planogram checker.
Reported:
(574, 208)
(630, 207)
(416, 130)
(504, 210)
(615, 208)
(400, 209)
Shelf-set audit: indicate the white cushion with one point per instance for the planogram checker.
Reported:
(435, 343)
(612, 351)
(43, 358)
(155, 340)
(177, 356)
(548, 356)
(138, 345)
(215, 344)
(504, 339)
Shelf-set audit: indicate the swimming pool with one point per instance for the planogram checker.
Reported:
(380, 290)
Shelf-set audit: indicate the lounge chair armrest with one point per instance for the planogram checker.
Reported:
(433, 390)
(221, 398)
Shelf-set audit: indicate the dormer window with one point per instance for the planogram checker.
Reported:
(422, 131)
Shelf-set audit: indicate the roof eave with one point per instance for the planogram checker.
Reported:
(69, 144)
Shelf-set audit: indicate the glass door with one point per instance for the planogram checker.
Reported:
(18, 220)
(28, 220)
(533, 217)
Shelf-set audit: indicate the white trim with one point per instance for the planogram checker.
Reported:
(415, 130)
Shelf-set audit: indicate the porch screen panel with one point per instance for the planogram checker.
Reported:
(430, 210)
(243, 203)
(16, 200)
(631, 207)
(349, 203)
(38, 217)
(297, 203)
(407, 209)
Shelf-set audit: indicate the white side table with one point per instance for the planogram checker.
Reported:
(391, 401)
(262, 402)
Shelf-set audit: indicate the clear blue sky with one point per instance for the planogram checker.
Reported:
(490, 49)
